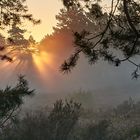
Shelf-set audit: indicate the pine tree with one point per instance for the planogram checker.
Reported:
(11, 98)
(115, 37)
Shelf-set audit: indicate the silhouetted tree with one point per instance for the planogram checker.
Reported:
(17, 41)
(11, 98)
(16, 46)
(62, 119)
(85, 98)
(72, 20)
(12, 14)
(61, 40)
(115, 37)
(97, 131)
(41, 126)
(32, 40)
(16, 38)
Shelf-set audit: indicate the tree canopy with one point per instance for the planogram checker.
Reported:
(12, 15)
(115, 36)
(14, 12)
(11, 98)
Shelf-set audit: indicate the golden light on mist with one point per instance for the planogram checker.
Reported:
(26, 61)
(40, 60)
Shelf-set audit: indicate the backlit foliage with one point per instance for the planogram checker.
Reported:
(115, 37)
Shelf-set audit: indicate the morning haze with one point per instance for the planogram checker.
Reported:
(72, 76)
(112, 82)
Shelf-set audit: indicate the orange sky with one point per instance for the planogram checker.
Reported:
(46, 11)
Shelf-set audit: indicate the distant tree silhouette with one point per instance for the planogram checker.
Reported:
(57, 124)
(115, 37)
(11, 98)
(16, 36)
(31, 40)
(16, 46)
(85, 98)
(72, 20)
(12, 14)
(98, 131)
(60, 42)
(119, 123)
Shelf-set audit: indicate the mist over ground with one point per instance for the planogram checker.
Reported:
(109, 85)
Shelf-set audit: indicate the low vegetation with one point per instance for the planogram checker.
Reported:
(69, 120)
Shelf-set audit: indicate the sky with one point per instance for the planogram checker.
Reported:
(46, 11)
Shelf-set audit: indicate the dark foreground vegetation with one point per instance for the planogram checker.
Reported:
(68, 120)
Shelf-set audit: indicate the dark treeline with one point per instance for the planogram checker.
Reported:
(70, 120)
(74, 118)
